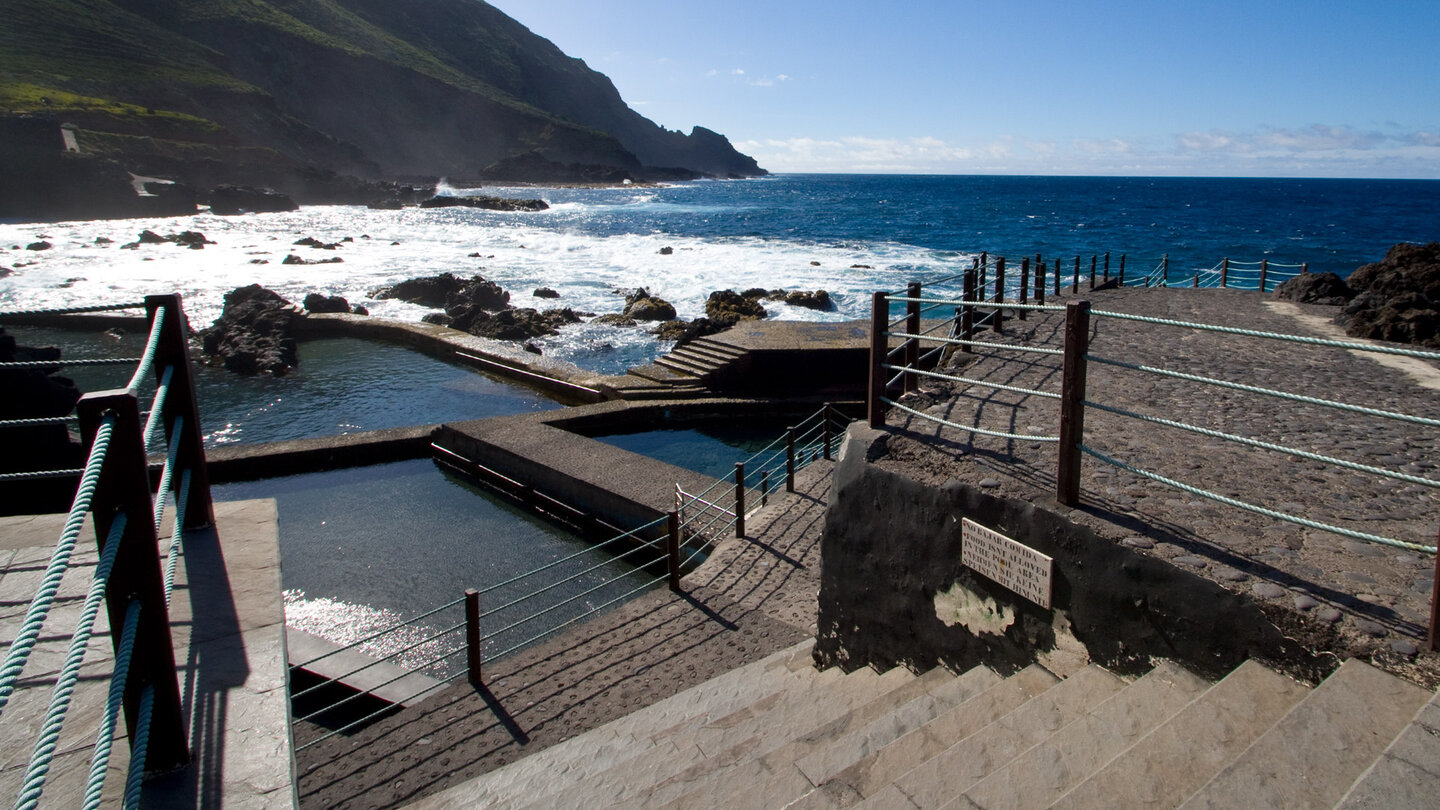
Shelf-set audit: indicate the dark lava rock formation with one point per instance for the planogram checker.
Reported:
(253, 333)
(1316, 288)
(229, 199)
(1397, 299)
(487, 203)
(447, 290)
(642, 306)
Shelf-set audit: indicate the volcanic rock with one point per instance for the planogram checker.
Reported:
(253, 333)
(642, 306)
(315, 302)
(728, 307)
(487, 203)
(1316, 288)
(1397, 299)
(447, 290)
(816, 300)
(228, 199)
(545, 292)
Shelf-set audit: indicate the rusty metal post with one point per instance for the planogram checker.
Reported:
(472, 635)
(124, 488)
(739, 499)
(672, 549)
(827, 430)
(1165, 270)
(1072, 402)
(984, 271)
(1039, 279)
(879, 347)
(1196, 281)
(1435, 605)
(1057, 278)
(1264, 266)
(1225, 272)
(1304, 268)
(1024, 285)
(967, 310)
(1122, 270)
(764, 487)
(911, 382)
(1075, 278)
(790, 458)
(999, 316)
(1092, 271)
(1107, 265)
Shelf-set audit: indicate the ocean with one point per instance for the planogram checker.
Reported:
(847, 234)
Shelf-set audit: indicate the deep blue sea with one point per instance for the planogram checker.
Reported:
(848, 234)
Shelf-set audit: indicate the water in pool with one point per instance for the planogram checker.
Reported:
(366, 547)
(342, 385)
(710, 449)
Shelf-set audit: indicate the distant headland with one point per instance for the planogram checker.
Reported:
(142, 108)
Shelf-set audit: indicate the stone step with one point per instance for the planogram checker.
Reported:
(1314, 754)
(683, 365)
(719, 354)
(622, 784)
(625, 737)
(822, 765)
(717, 347)
(660, 374)
(1165, 766)
(1081, 748)
(952, 771)
(869, 775)
(746, 772)
(1407, 774)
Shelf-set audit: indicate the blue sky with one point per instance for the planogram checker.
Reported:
(1222, 88)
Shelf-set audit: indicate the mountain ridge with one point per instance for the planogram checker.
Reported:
(227, 89)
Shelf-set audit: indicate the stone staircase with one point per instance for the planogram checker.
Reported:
(779, 733)
(688, 368)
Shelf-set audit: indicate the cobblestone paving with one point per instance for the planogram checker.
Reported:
(752, 597)
(1376, 596)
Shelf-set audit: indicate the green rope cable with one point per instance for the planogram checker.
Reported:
(46, 742)
(157, 407)
(25, 639)
(1179, 375)
(970, 428)
(135, 778)
(177, 536)
(1279, 448)
(1235, 330)
(1259, 510)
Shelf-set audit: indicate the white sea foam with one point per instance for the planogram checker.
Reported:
(520, 251)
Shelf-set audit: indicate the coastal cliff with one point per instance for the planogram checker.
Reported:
(299, 94)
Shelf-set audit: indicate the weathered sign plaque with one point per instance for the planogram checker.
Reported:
(1016, 566)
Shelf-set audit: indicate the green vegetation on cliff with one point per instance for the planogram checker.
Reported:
(419, 87)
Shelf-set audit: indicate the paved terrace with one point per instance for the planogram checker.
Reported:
(1331, 592)
(229, 654)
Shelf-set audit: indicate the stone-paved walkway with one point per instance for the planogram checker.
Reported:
(1353, 596)
(752, 597)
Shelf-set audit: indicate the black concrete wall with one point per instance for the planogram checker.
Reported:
(891, 544)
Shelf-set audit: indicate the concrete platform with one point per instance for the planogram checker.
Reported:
(383, 679)
(230, 663)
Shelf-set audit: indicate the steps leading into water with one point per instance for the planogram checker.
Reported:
(779, 733)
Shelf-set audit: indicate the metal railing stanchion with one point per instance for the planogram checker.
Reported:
(879, 318)
(912, 328)
(672, 549)
(1072, 402)
(739, 499)
(472, 636)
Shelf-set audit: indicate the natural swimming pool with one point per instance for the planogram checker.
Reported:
(342, 385)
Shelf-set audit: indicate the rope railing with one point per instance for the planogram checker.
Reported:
(887, 374)
(113, 490)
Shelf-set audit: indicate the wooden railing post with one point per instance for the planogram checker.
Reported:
(790, 458)
(879, 347)
(473, 659)
(1225, 272)
(1122, 270)
(1092, 271)
(1196, 281)
(1039, 279)
(1024, 285)
(1072, 402)
(984, 271)
(911, 382)
(739, 499)
(1435, 605)
(174, 350)
(999, 316)
(1165, 270)
(1075, 278)
(672, 549)
(1107, 265)
(124, 488)
(1264, 266)
(1057, 278)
